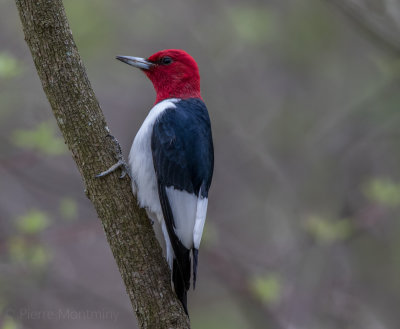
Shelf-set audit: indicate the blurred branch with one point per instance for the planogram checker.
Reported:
(81, 121)
(380, 23)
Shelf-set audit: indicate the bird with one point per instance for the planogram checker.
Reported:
(171, 160)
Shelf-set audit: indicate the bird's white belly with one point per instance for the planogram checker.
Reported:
(144, 181)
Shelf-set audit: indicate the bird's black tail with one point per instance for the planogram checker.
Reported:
(181, 276)
(195, 260)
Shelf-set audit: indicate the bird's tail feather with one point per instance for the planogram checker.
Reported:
(195, 259)
(181, 279)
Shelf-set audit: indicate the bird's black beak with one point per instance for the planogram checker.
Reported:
(138, 62)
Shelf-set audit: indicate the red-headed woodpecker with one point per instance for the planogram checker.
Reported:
(171, 160)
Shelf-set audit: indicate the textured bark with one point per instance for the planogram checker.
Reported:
(128, 230)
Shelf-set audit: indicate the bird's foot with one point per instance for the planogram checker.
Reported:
(120, 163)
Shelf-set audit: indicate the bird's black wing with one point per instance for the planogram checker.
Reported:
(182, 147)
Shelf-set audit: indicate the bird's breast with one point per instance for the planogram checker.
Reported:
(144, 181)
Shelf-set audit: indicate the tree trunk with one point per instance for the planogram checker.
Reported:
(81, 121)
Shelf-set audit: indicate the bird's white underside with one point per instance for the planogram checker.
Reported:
(189, 211)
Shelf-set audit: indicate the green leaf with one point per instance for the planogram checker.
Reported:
(9, 66)
(328, 231)
(383, 191)
(33, 222)
(42, 138)
(39, 256)
(28, 253)
(267, 288)
(68, 208)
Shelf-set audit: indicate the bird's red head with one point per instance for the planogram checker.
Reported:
(173, 72)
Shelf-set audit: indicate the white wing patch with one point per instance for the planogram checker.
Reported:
(183, 206)
(201, 213)
(189, 213)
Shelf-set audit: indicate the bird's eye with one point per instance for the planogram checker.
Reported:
(166, 60)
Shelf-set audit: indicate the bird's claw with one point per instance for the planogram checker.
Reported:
(120, 163)
(124, 170)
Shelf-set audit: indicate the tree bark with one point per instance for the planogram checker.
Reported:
(81, 121)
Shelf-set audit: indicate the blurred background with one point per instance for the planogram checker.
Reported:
(303, 228)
